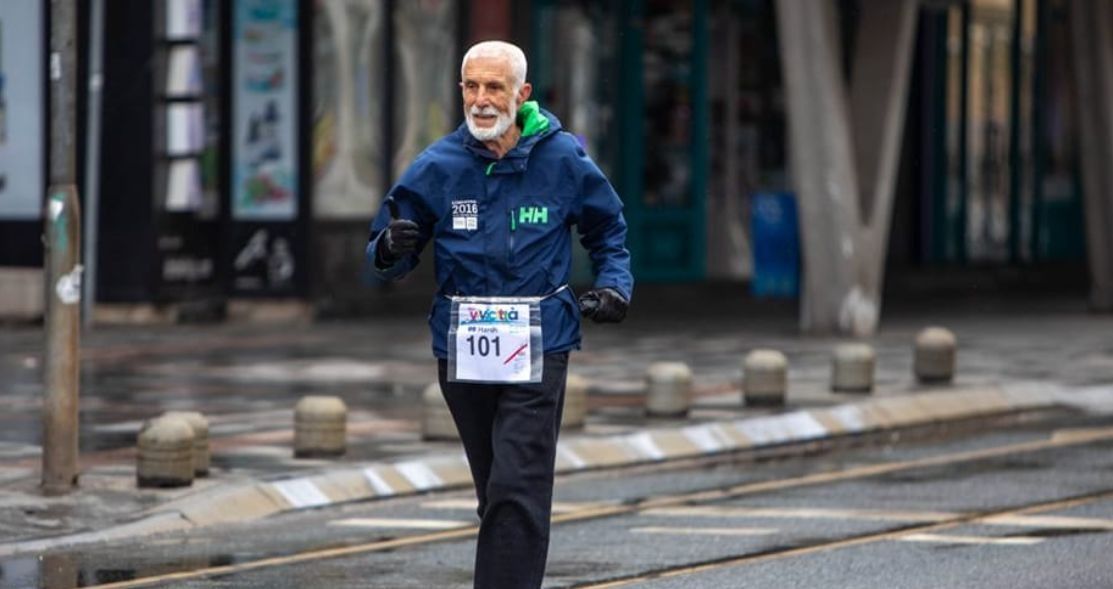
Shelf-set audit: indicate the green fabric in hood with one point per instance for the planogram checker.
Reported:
(531, 120)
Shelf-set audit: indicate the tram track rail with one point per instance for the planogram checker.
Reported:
(720, 493)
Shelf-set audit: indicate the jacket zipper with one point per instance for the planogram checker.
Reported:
(513, 228)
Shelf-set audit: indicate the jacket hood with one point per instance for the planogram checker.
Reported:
(532, 121)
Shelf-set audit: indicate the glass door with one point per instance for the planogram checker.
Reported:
(664, 135)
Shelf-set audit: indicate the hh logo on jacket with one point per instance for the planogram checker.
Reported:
(533, 215)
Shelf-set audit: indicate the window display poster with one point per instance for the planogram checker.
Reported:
(265, 114)
(21, 110)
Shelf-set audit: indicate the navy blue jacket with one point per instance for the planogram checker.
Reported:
(501, 227)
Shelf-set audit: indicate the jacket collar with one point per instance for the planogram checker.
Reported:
(537, 124)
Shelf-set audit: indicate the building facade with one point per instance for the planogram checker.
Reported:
(245, 144)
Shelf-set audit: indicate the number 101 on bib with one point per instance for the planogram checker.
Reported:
(492, 342)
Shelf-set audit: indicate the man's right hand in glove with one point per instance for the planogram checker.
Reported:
(399, 239)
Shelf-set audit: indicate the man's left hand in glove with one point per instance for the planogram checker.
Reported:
(604, 305)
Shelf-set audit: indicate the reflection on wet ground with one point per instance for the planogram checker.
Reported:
(68, 571)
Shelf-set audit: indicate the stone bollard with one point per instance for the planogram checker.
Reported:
(935, 355)
(852, 368)
(200, 425)
(165, 453)
(320, 427)
(575, 402)
(668, 389)
(764, 378)
(436, 419)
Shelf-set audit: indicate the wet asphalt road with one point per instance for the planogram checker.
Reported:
(130, 374)
(788, 534)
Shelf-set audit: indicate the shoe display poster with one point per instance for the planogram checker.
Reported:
(265, 111)
(21, 110)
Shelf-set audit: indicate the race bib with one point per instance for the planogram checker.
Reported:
(495, 340)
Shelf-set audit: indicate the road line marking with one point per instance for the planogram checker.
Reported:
(471, 505)
(645, 446)
(864, 539)
(381, 487)
(803, 426)
(945, 539)
(408, 524)
(570, 456)
(802, 513)
(703, 438)
(704, 531)
(1017, 521)
(849, 416)
(669, 501)
(1067, 434)
(301, 493)
(1051, 521)
(419, 474)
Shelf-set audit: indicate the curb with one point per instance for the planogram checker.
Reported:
(258, 499)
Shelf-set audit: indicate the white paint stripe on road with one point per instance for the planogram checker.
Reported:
(704, 531)
(803, 426)
(948, 539)
(419, 474)
(801, 513)
(470, 504)
(568, 455)
(1050, 521)
(409, 524)
(765, 430)
(1019, 521)
(381, 487)
(301, 493)
(702, 437)
(850, 416)
(645, 447)
(725, 439)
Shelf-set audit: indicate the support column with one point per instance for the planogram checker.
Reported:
(845, 152)
(820, 159)
(1092, 35)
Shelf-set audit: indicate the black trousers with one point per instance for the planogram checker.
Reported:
(510, 435)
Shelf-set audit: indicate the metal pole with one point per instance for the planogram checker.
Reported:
(92, 158)
(63, 270)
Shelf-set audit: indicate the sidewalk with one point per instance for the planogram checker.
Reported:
(1013, 356)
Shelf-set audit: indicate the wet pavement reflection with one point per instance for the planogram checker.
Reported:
(67, 570)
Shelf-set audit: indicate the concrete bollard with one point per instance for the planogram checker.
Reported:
(320, 427)
(934, 360)
(436, 419)
(165, 453)
(764, 378)
(200, 426)
(668, 389)
(575, 402)
(852, 368)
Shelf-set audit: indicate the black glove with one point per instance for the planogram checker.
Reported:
(400, 237)
(603, 305)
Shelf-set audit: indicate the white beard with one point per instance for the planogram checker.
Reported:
(502, 122)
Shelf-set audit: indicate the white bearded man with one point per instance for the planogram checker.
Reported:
(498, 198)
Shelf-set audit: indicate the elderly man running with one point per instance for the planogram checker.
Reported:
(498, 197)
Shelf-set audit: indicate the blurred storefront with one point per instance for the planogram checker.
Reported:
(683, 105)
(995, 136)
(23, 155)
(246, 143)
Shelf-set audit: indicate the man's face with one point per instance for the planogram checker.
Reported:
(490, 99)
